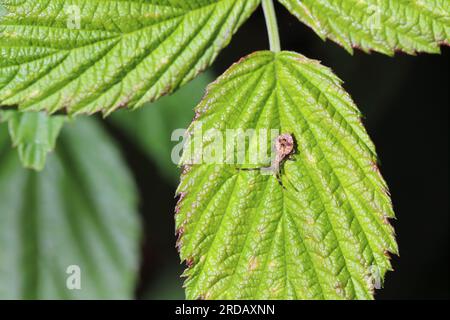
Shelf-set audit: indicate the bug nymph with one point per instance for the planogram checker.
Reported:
(284, 149)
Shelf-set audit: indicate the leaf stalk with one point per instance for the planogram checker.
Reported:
(272, 25)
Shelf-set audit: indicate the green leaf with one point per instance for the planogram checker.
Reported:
(87, 55)
(81, 210)
(380, 25)
(152, 127)
(34, 134)
(325, 233)
(3, 11)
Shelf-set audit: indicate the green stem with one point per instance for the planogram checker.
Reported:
(272, 25)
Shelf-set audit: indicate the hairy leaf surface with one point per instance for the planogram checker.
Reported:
(324, 233)
(85, 56)
(34, 135)
(379, 25)
(81, 210)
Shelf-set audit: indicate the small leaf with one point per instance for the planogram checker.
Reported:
(322, 234)
(86, 56)
(81, 210)
(151, 128)
(34, 134)
(381, 25)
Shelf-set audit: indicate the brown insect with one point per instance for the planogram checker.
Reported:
(284, 149)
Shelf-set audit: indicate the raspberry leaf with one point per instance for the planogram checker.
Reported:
(323, 232)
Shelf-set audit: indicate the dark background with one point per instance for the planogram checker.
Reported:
(405, 101)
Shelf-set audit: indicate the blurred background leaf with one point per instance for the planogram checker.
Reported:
(34, 135)
(151, 127)
(81, 210)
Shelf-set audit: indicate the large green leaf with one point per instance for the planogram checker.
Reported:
(34, 134)
(85, 56)
(152, 127)
(380, 25)
(81, 210)
(323, 234)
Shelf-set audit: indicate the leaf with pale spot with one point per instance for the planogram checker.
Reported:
(321, 234)
(81, 210)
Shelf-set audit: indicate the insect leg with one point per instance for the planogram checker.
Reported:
(278, 176)
(248, 169)
(291, 157)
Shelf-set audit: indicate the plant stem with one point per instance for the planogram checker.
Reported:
(272, 25)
